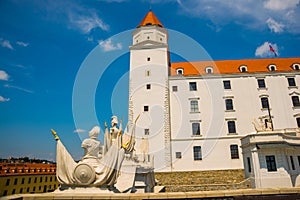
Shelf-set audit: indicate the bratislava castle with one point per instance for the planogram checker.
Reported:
(193, 114)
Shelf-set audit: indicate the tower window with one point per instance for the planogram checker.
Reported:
(197, 153)
(264, 102)
(231, 126)
(227, 85)
(147, 73)
(261, 83)
(193, 86)
(146, 108)
(148, 86)
(196, 128)
(291, 82)
(148, 59)
(146, 131)
(271, 163)
(234, 151)
(174, 88)
(194, 106)
(295, 100)
(229, 104)
(178, 155)
(148, 37)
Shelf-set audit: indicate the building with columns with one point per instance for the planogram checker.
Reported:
(194, 114)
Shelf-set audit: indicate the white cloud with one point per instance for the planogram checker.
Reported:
(281, 4)
(87, 23)
(2, 99)
(274, 26)
(107, 45)
(79, 130)
(18, 88)
(6, 44)
(23, 44)
(3, 75)
(250, 14)
(264, 50)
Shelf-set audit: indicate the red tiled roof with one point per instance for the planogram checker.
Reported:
(150, 19)
(233, 66)
(7, 169)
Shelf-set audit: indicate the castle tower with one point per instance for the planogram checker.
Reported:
(148, 89)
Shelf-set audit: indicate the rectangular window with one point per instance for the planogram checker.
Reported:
(148, 86)
(146, 108)
(196, 128)
(13, 191)
(7, 182)
(229, 104)
(295, 100)
(147, 73)
(35, 179)
(146, 131)
(46, 179)
(23, 180)
(16, 181)
(193, 86)
(298, 122)
(5, 193)
(148, 59)
(291, 82)
(264, 102)
(41, 179)
(234, 151)
(197, 153)
(28, 189)
(249, 164)
(292, 162)
(271, 163)
(174, 88)
(29, 180)
(227, 85)
(231, 126)
(178, 155)
(261, 83)
(298, 160)
(194, 106)
(21, 190)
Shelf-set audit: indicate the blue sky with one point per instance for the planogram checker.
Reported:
(44, 46)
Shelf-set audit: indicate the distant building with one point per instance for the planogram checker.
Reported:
(195, 113)
(21, 178)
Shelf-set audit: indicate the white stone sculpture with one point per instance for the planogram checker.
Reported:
(100, 165)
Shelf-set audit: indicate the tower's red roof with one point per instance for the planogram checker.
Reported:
(150, 19)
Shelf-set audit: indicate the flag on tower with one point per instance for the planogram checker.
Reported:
(273, 50)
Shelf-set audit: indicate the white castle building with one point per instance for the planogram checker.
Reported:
(195, 114)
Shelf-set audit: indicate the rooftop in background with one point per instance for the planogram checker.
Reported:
(150, 19)
(10, 169)
(235, 66)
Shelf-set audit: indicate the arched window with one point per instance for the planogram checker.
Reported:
(209, 70)
(272, 67)
(179, 71)
(296, 66)
(243, 68)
